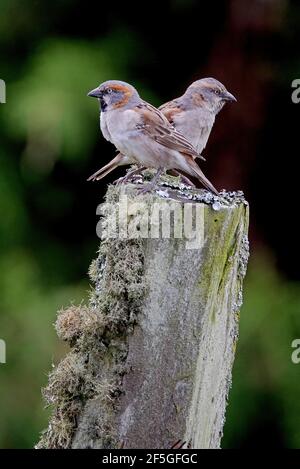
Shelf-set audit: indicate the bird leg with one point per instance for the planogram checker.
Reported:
(152, 184)
(173, 172)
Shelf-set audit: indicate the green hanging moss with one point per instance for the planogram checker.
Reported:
(95, 332)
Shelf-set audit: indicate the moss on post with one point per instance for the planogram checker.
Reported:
(152, 353)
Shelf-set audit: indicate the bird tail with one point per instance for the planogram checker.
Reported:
(119, 160)
(193, 169)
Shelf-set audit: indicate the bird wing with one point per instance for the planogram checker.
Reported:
(157, 126)
(154, 124)
(171, 109)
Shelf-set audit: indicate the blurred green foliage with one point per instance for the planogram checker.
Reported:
(263, 405)
(47, 118)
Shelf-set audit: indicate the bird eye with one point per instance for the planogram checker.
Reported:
(109, 90)
(217, 92)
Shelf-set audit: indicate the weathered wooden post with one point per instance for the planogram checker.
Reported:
(152, 353)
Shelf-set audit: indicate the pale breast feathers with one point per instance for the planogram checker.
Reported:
(103, 127)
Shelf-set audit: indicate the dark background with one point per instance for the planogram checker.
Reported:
(51, 54)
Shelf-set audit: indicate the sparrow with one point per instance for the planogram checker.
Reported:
(193, 114)
(142, 134)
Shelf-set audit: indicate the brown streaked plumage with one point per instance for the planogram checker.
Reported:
(143, 133)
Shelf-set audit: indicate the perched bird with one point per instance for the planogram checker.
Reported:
(142, 134)
(193, 114)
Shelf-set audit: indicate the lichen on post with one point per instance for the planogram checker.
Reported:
(152, 352)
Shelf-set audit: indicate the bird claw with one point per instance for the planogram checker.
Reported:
(129, 176)
(123, 179)
(119, 181)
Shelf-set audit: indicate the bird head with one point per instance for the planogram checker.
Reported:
(114, 94)
(210, 93)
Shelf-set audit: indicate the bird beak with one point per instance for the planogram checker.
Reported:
(96, 93)
(229, 97)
